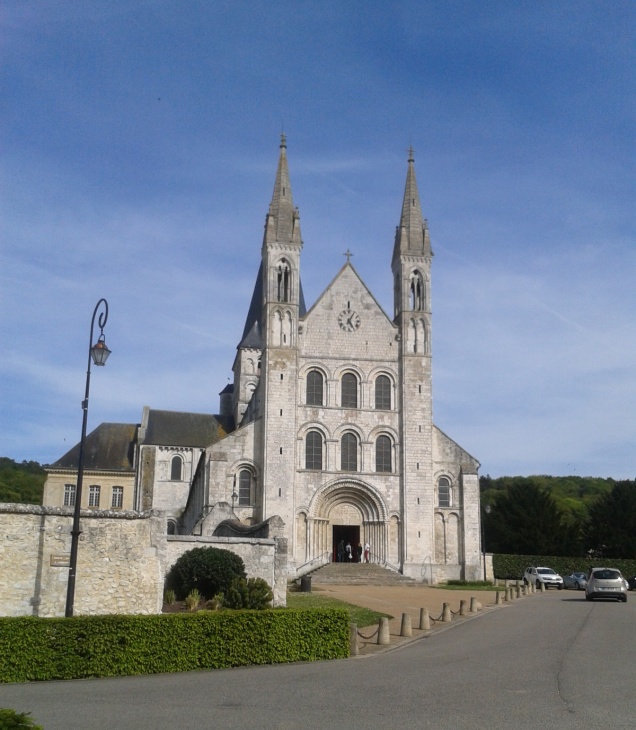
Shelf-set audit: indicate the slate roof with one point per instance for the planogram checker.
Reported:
(177, 428)
(110, 447)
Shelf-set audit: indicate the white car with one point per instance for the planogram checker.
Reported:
(539, 575)
(606, 583)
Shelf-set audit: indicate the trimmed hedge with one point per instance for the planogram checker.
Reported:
(513, 566)
(108, 646)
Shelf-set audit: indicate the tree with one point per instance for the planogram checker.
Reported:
(21, 482)
(525, 520)
(611, 528)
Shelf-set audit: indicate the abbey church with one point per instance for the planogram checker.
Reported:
(327, 425)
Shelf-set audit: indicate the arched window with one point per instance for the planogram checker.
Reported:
(245, 487)
(382, 393)
(176, 468)
(172, 527)
(349, 452)
(315, 387)
(417, 292)
(383, 454)
(349, 394)
(313, 450)
(444, 492)
(283, 282)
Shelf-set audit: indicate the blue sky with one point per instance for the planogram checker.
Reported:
(140, 142)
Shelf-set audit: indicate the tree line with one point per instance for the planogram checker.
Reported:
(564, 516)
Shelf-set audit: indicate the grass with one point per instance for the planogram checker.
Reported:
(358, 614)
(464, 585)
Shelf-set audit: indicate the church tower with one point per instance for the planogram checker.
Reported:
(282, 305)
(411, 265)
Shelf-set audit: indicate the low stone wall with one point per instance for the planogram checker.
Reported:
(119, 565)
(122, 560)
(263, 558)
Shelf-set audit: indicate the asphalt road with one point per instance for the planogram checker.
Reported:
(547, 661)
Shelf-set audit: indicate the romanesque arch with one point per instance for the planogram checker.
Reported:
(346, 504)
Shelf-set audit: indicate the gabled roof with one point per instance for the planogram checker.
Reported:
(348, 266)
(110, 447)
(177, 428)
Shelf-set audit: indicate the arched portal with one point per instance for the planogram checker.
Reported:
(347, 510)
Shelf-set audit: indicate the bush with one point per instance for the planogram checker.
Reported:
(34, 648)
(12, 720)
(209, 570)
(254, 593)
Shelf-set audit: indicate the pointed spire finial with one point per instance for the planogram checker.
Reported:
(411, 152)
(283, 140)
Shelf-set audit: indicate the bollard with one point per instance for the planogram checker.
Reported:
(507, 595)
(462, 608)
(518, 591)
(533, 588)
(406, 629)
(353, 640)
(425, 620)
(524, 590)
(383, 631)
(542, 587)
(498, 599)
(447, 616)
(473, 604)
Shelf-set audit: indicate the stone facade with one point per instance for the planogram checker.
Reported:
(328, 424)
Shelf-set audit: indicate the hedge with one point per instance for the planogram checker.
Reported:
(107, 646)
(513, 566)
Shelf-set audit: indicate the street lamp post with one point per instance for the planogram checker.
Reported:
(483, 544)
(98, 354)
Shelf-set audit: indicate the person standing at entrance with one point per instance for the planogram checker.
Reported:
(359, 553)
(367, 552)
(341, 551)
(349, 553)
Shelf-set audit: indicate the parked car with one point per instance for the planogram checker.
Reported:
(606, 583)
(631, 582)
(539, 575)
(578, 581)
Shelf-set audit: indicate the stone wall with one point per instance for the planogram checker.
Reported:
(122, 560)
(119, 565)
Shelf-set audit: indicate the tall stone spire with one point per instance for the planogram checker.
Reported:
(283, 220)
(411, 236)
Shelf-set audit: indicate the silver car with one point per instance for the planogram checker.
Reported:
(606, 583)
(578, 581)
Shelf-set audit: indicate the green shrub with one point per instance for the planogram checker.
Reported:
(12, 720)
(254, 593)
(34, 648)
(210, 570)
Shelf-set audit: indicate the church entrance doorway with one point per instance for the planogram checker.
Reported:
(346, 534)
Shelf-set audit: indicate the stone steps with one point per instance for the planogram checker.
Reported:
(358, 574)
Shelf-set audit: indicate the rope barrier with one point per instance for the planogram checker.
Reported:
(367, 638)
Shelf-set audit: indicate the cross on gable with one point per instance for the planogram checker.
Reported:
(348, 254)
